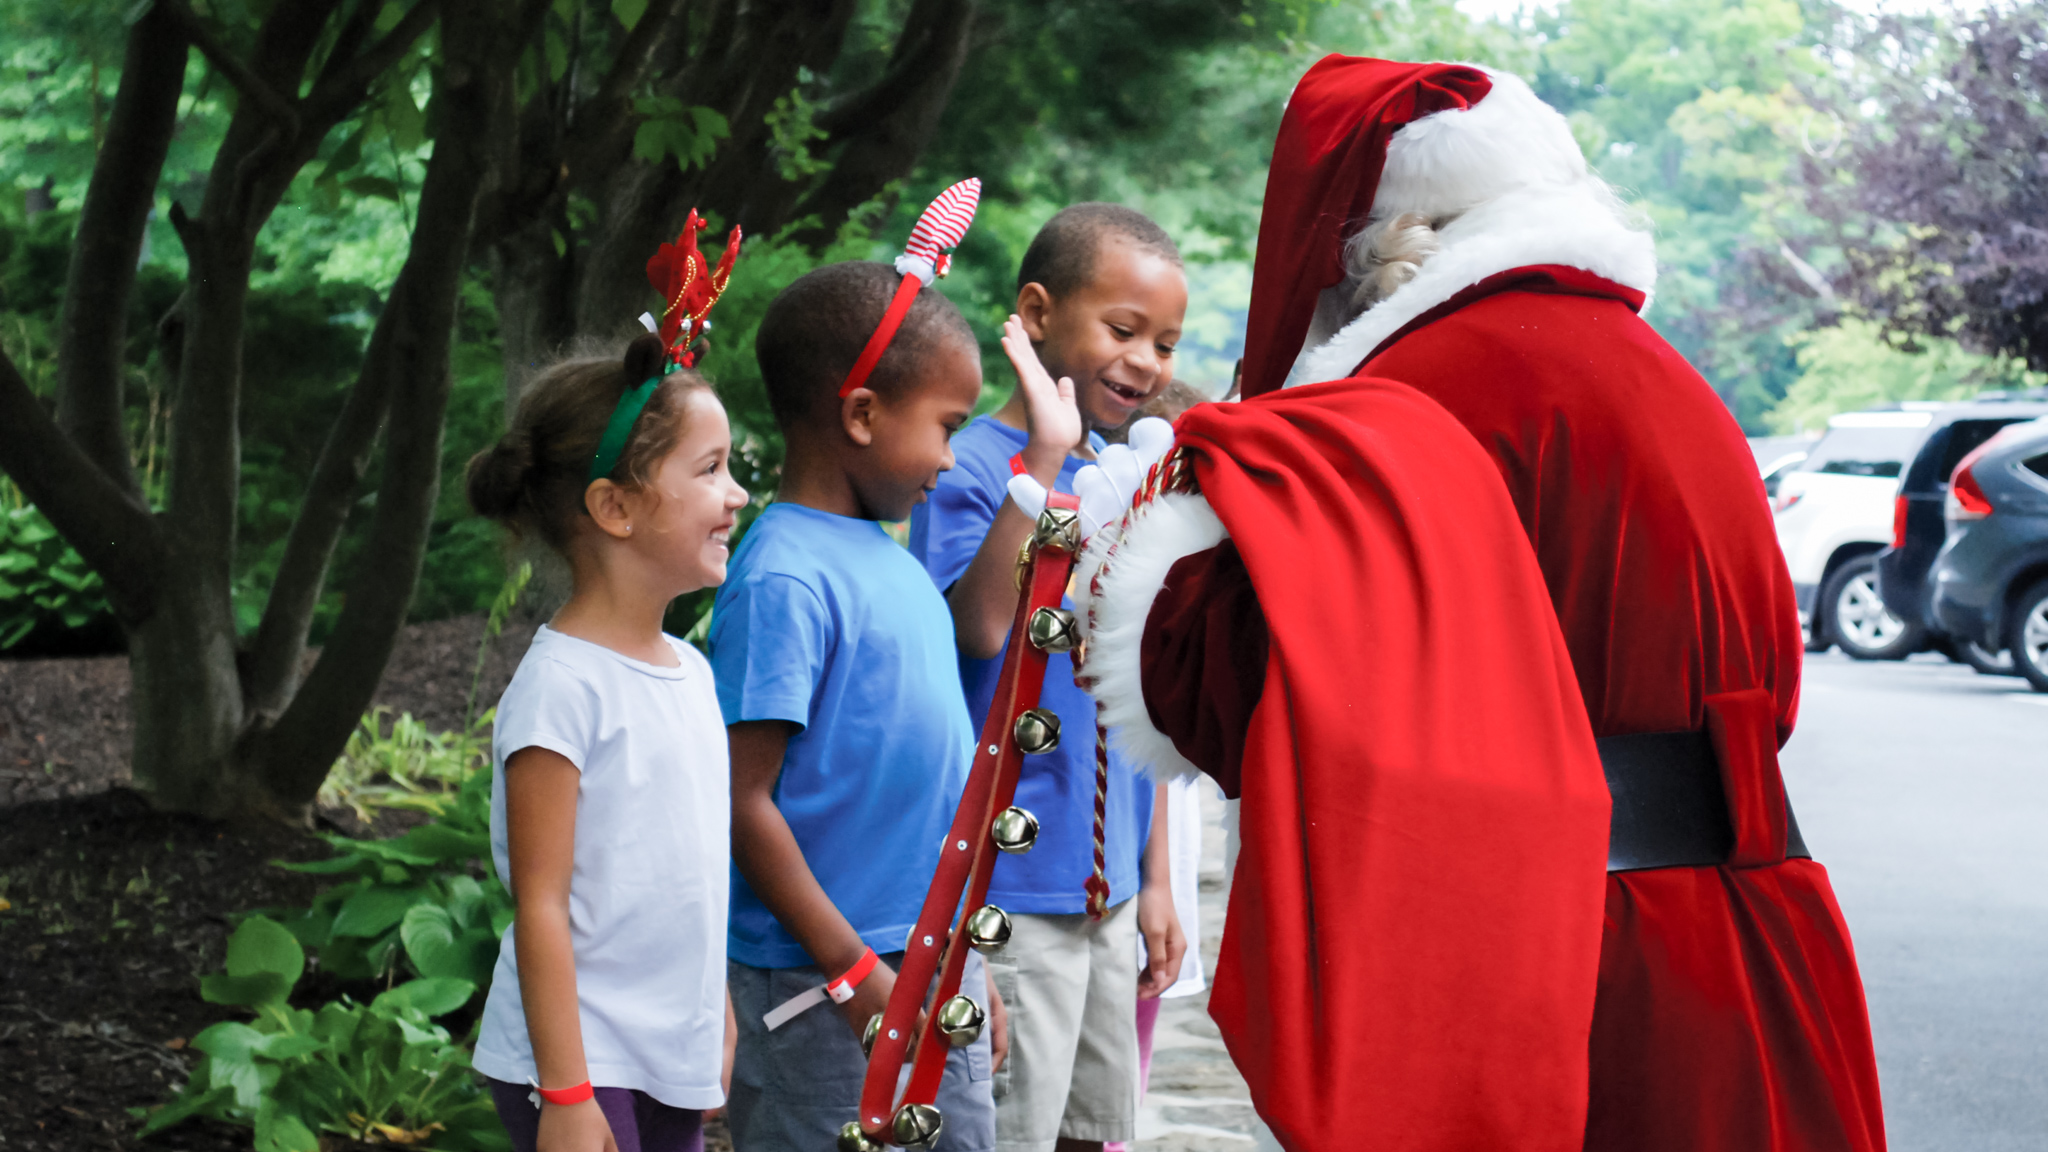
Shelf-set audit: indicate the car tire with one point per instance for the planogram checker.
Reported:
(1857, 620)
(2026, 635)
(1986, 662)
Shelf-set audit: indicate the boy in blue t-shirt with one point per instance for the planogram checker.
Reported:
(850, 739)
(1101, 297)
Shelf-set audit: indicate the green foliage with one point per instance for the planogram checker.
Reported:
(423, 900)
(672, 128)
(793, 133)
(1852, 365)
(406, 767)
(43, 581)
(382, 1071)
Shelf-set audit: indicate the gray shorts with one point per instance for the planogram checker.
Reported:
(795, 1087)
(1070, 985)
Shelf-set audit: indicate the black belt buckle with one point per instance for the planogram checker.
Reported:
(1669, 807)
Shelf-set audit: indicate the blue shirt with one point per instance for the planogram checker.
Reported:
(1058, 787)
(826, 622)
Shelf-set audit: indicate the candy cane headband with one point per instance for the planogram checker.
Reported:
(943, 225)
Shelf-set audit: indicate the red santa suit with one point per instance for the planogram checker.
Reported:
(1729, 1016)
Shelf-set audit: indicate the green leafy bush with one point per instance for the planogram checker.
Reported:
(407, 767)
(424, 899)
(382, 1071)
(43, 581)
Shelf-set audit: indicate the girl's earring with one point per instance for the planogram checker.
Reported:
(629, 529)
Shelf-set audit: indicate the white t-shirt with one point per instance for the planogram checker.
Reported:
(1184, 866)
(647, 899)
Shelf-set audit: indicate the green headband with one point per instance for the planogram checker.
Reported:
(614, 440)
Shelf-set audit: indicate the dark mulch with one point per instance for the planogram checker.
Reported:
(110, 911)
(116, 911)
(64, 727)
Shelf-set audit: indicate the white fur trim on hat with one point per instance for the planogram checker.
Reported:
(1156, 537)
(1509, 189)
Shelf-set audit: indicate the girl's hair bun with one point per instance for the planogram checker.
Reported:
(497, 477)
(643, 359)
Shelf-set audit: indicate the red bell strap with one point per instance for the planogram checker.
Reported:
(938, 944)
(899, 307)
(566, 1096)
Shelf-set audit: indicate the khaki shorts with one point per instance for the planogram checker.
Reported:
(1071, 988)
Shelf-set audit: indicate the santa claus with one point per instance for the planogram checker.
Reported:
(1479, 551)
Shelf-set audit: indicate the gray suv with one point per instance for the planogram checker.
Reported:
(1991, 577)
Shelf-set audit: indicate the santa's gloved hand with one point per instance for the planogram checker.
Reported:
(1107, 486)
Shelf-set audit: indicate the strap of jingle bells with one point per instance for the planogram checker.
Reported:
(985, 823)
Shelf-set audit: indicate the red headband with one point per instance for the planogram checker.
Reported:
(943, 225)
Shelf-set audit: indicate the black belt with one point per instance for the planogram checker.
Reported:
(1669, 807)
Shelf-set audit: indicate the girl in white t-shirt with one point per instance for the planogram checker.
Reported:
(607, 1025)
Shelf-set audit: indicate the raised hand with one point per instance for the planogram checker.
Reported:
(1051, 417)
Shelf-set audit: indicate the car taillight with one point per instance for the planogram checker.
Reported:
(1965, 499)
(1899, 523)
(1786, 500)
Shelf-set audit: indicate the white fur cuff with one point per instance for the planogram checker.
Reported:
(1155, 537)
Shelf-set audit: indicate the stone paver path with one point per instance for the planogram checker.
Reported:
(1198, 1102)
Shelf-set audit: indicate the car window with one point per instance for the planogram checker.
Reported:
(1863, 451)
(2038, 465)
(1963, 438)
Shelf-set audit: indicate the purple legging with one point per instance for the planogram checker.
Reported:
(1148, 1015)
(640, 1123)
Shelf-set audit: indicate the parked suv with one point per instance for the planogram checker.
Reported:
(1991, 578)
(1918, 527)
(1834, 515)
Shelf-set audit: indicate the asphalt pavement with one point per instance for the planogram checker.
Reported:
(1924, 789)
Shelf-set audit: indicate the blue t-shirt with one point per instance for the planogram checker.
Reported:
(1058, 787)
(826, 622)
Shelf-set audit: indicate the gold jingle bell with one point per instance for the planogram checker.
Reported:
(1037, 730)
(868, 1034)
(1053, 630)
(1058, 528)
(916, 1125)
(1015, 830)
(988, 928)
(960, 1021)
(852, 1139)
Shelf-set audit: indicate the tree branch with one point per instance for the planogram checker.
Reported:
(228, 64)
(884, 144)
(920, 48)
(280, 645)
(111, 529)
(410, 348)
(342, 87)
(606, 121)
(91, 334)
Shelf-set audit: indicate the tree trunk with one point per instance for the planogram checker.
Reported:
(410, 350)
(186, 693)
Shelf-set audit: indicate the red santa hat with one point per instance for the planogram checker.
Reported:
(1374, 138)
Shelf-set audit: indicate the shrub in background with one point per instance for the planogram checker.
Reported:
(381, 1072)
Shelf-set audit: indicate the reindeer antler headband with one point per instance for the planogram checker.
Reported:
(689, 286)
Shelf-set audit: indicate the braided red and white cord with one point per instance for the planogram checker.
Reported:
(1171, 474)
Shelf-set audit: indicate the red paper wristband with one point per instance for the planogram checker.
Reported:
(566, 1096)
(841, 990)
